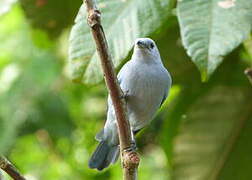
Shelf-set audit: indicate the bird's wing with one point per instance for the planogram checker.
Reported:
(167, 88)
(124, 73)
(164, 97)
(120, 80)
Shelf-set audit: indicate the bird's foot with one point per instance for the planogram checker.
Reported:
(132, 147)
(125, 95)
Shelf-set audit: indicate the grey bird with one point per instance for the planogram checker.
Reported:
(146, 83)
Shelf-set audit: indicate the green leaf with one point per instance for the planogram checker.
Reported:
(123, 22)
(209, 134)
(248, 47)
(51, 16)
(28, 81)
(211, 29)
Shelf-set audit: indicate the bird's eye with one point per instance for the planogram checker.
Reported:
(151, 45)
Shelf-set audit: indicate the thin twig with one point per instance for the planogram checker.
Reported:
(248, 72)
(6, 166)
(130, 159)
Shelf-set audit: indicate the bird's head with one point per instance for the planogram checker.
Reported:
(146, 48)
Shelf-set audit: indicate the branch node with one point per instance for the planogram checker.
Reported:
(130, 161)
(94, 18)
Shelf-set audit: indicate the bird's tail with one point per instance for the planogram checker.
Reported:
(104, 155)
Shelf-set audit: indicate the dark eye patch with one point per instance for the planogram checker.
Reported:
(151, 45)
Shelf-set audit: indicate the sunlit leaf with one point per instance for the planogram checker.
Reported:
(211, 29)
(123, 22)
(5, 6)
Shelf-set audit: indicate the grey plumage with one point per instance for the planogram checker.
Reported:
(104, 155)
(146, 83)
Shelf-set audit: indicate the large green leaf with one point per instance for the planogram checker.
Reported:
(208, 136)
(123, 22)
(210, 29)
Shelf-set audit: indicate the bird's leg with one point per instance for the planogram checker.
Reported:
(133, 146)
(125, 95)
(133, 141)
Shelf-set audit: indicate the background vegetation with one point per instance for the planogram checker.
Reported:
(47, 122)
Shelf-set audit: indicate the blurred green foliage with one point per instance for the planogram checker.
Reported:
(48, 123)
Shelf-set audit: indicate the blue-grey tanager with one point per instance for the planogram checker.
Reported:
(146, 83)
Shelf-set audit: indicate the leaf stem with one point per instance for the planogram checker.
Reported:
(130, 159)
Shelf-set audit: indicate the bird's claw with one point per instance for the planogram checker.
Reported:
(132, 147)
(125, 95)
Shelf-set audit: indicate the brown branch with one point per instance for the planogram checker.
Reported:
(6, 166)
(248, 72)
(130, 159)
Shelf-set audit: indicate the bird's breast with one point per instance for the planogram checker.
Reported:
(145, 89)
